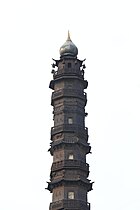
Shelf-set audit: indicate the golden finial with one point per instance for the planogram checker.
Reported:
(68, 39)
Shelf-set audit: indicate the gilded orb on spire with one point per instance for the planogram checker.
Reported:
(68, 48)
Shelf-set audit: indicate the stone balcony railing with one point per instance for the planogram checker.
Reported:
(73, 128)
(69, 164)
(68, 93)
(70, 204)
(68, 72)
(66, 140)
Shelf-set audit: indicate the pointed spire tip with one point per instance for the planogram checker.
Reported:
(68, 39)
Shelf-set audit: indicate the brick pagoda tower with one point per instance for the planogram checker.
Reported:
(69, 136)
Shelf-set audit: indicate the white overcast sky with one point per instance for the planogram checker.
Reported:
(107, 34)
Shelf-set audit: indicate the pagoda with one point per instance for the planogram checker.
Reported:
(69, 183)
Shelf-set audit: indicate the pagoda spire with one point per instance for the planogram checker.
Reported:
(68, 39)
(68, 48)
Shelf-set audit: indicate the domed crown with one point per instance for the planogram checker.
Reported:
(68, 48)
